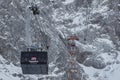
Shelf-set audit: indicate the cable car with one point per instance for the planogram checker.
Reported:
(34, 62)
(35, 59)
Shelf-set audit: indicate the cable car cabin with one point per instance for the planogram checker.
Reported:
(34, 62)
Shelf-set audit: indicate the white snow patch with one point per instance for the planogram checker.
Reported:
(107, 58)
(68, 2)
(103, 44)
(107, 41)
(109, 73)
(6, 70)
(115, 75)
(119, 5)
(1, 37)
(102, 9)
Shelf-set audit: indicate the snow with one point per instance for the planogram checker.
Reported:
(77, 29)
(105, 41)
(100, 44)
(5, 76)
(2, 60)
(107, 58)
(118, 4)
(116, 73)
(68, 1)
(109, 73)
(78, 19)
(103, 44)
(12, 3)
(102, 9)
(6, 70)
(1, 37)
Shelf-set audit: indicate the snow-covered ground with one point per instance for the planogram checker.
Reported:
(109, 73)
(8, 71)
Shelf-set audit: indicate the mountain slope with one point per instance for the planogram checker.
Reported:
(95, 22)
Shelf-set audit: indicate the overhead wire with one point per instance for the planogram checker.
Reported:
(88, 11)
(42, 30)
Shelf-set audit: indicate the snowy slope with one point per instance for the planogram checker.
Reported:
(7, 70)
(10, 72)
(109, 73)
(99, 36)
